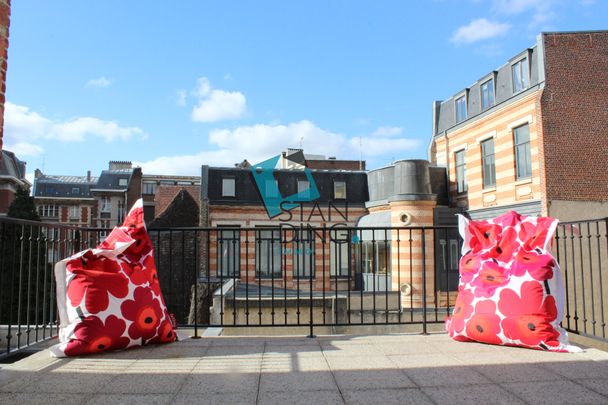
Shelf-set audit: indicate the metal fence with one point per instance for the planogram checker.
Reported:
(289, 276)
(581, 249)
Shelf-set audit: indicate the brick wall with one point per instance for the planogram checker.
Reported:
(166, 193)
(5, 12)
(575, 116)
(134, 188)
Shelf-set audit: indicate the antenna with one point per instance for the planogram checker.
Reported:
(43, 161)
(360, 153)
(301, 141)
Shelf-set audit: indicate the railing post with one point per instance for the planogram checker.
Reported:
(196, 280)
(424, 326)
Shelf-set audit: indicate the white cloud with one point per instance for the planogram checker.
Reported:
(221, 105)
(217, 105)
(23, 128)
(387, 131)
(99, 82)
(25, 149)
(517, 6)
(203, 87)
(30, 177)
(541, 10)
(478, 30)
(180, 97)
(258, 142)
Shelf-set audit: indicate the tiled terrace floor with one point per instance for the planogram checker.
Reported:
(389, 369)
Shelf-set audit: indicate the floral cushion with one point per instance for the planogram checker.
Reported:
(109, 297)
(510, 290)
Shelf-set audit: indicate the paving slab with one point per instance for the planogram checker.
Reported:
(342, 369)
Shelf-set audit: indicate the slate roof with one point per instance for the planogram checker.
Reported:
(109, 179)
(66, 186)
(10, 165)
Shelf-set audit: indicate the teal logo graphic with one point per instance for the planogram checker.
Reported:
(275, 203)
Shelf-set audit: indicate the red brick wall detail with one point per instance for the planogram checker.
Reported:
(5, 13)
(166, 193)
(575, 116)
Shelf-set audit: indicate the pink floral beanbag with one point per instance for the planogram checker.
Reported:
(109, 297)
(510, 290)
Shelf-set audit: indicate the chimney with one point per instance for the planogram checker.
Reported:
(120, 165)
(37, 174)
(88, 176)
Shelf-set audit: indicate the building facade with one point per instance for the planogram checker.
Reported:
(252, 245)
(12, 176)
(101, 201)
(158, 191)
(531, 135)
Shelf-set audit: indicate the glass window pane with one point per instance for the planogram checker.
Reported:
(461, 174)
(268, 253)
(487, 94)
(488, 163)
(228, 188)
(340, 190)
(304, 188)
(228, 256)
(461, 109)
(523, 159)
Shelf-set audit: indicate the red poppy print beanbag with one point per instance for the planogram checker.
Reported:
(510, 290)
(109, 297)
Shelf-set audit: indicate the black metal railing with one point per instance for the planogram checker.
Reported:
(285, 276)
(303, 276)
(581, 249)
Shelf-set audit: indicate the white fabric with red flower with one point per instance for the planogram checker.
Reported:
(511, 290)
(109, 298)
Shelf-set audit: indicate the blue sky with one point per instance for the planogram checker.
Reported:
(173, 85)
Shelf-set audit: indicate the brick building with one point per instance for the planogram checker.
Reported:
(87, 200)
(158, 191)
(532, 135)
(5, 21)
(230, 200)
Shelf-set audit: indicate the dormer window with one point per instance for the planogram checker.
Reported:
(487, 94)
(461, 109)
(520, 75)
(228, 188)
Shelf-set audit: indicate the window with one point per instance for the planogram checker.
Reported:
(461, 109)
(122, 182)
(461, 172)
(339, 253)
(377, 255)
(167, 182)
(228, 189)
(488, 168)
(520, 75)
(268, 253)
(303, 253)
(75, 190)
(74, 212)
(106, 204)
(523, 160)
(149, 188)
(304, 188)
(487, 94)
(228, 252)
(48, 211)
(340, 190)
